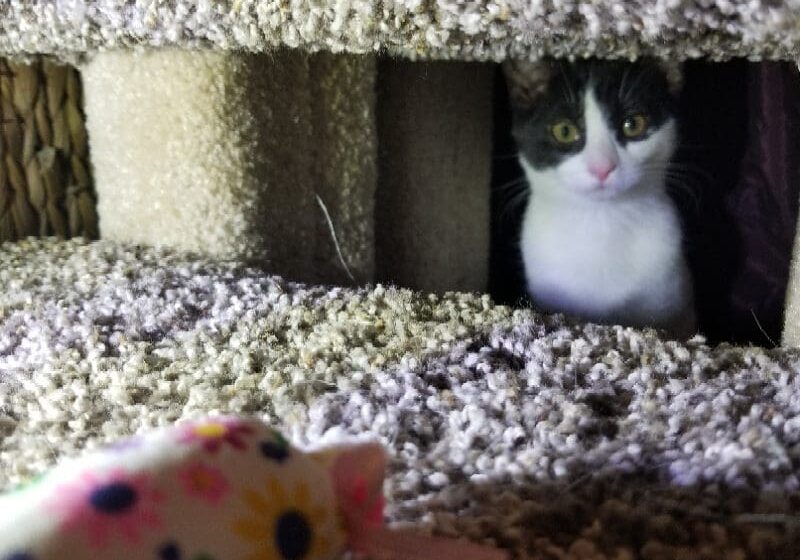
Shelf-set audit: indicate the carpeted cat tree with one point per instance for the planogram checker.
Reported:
(344, 143)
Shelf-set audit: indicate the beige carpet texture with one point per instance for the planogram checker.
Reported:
(280, 186)
(483, 29)
(248, 156)
(554, 440)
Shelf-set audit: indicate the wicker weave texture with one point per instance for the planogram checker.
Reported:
(45, 181)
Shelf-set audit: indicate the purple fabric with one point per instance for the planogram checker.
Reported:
(765, 200)
(743, 131)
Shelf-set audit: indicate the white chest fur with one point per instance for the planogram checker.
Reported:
(612, 261)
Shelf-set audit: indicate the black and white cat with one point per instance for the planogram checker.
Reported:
(601, 238)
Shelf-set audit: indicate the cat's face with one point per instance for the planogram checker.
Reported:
(594, 128)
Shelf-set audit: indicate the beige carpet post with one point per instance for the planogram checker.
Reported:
(432, 204)
(345, 157)
(217, 153)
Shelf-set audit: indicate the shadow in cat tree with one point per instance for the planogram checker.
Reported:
(736, 182)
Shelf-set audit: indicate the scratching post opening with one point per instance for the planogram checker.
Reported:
(737, 191)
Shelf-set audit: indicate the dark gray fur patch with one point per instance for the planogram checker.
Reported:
(621, 88)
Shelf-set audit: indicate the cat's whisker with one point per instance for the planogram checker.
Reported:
(685, 192)
(512, 203)
(511, 184)
(505, 216)
(677, 164)
(623, 82)
(629, 91)
(674, 164)
(688, 174)
(510, 194)
(505, 157)
(695, 147)
(686, 171)
(571, 93)
(686, 184)
(510, 198)
(684, 189)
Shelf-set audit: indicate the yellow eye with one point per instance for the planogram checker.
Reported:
(634, 126)
(565, 132)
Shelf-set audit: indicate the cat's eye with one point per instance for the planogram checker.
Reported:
(565, 132)
(635, 125)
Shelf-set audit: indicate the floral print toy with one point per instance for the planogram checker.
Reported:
(220, 488)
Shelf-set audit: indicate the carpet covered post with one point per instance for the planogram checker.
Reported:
(219, 153)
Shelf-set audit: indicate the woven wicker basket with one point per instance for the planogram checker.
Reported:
(45, 181)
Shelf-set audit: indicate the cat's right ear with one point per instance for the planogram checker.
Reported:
(527, 81)
(673, 70)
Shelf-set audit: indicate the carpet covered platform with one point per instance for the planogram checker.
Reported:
(486, 29)
(549, 439)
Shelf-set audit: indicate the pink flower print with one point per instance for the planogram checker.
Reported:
(204, 482)
(215, 433)
(107, 505)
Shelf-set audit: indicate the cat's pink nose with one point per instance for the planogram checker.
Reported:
(602, 170)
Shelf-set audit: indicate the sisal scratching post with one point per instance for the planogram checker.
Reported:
(45, 185)
(432, 204)
(217, 153)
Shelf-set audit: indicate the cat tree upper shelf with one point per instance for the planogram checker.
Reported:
(199, 141)
(480, 30)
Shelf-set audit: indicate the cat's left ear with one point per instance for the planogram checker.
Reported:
(673, 69)
(526, 80)
(357, 472)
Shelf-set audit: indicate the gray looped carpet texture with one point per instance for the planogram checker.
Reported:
(475, 29)
(553, 440)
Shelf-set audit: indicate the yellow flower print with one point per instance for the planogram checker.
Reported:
(285, 526)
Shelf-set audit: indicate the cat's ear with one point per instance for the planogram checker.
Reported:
(673, 70)
(357, 471)
(527, 80)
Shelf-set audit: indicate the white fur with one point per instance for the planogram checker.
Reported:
(608, 252)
